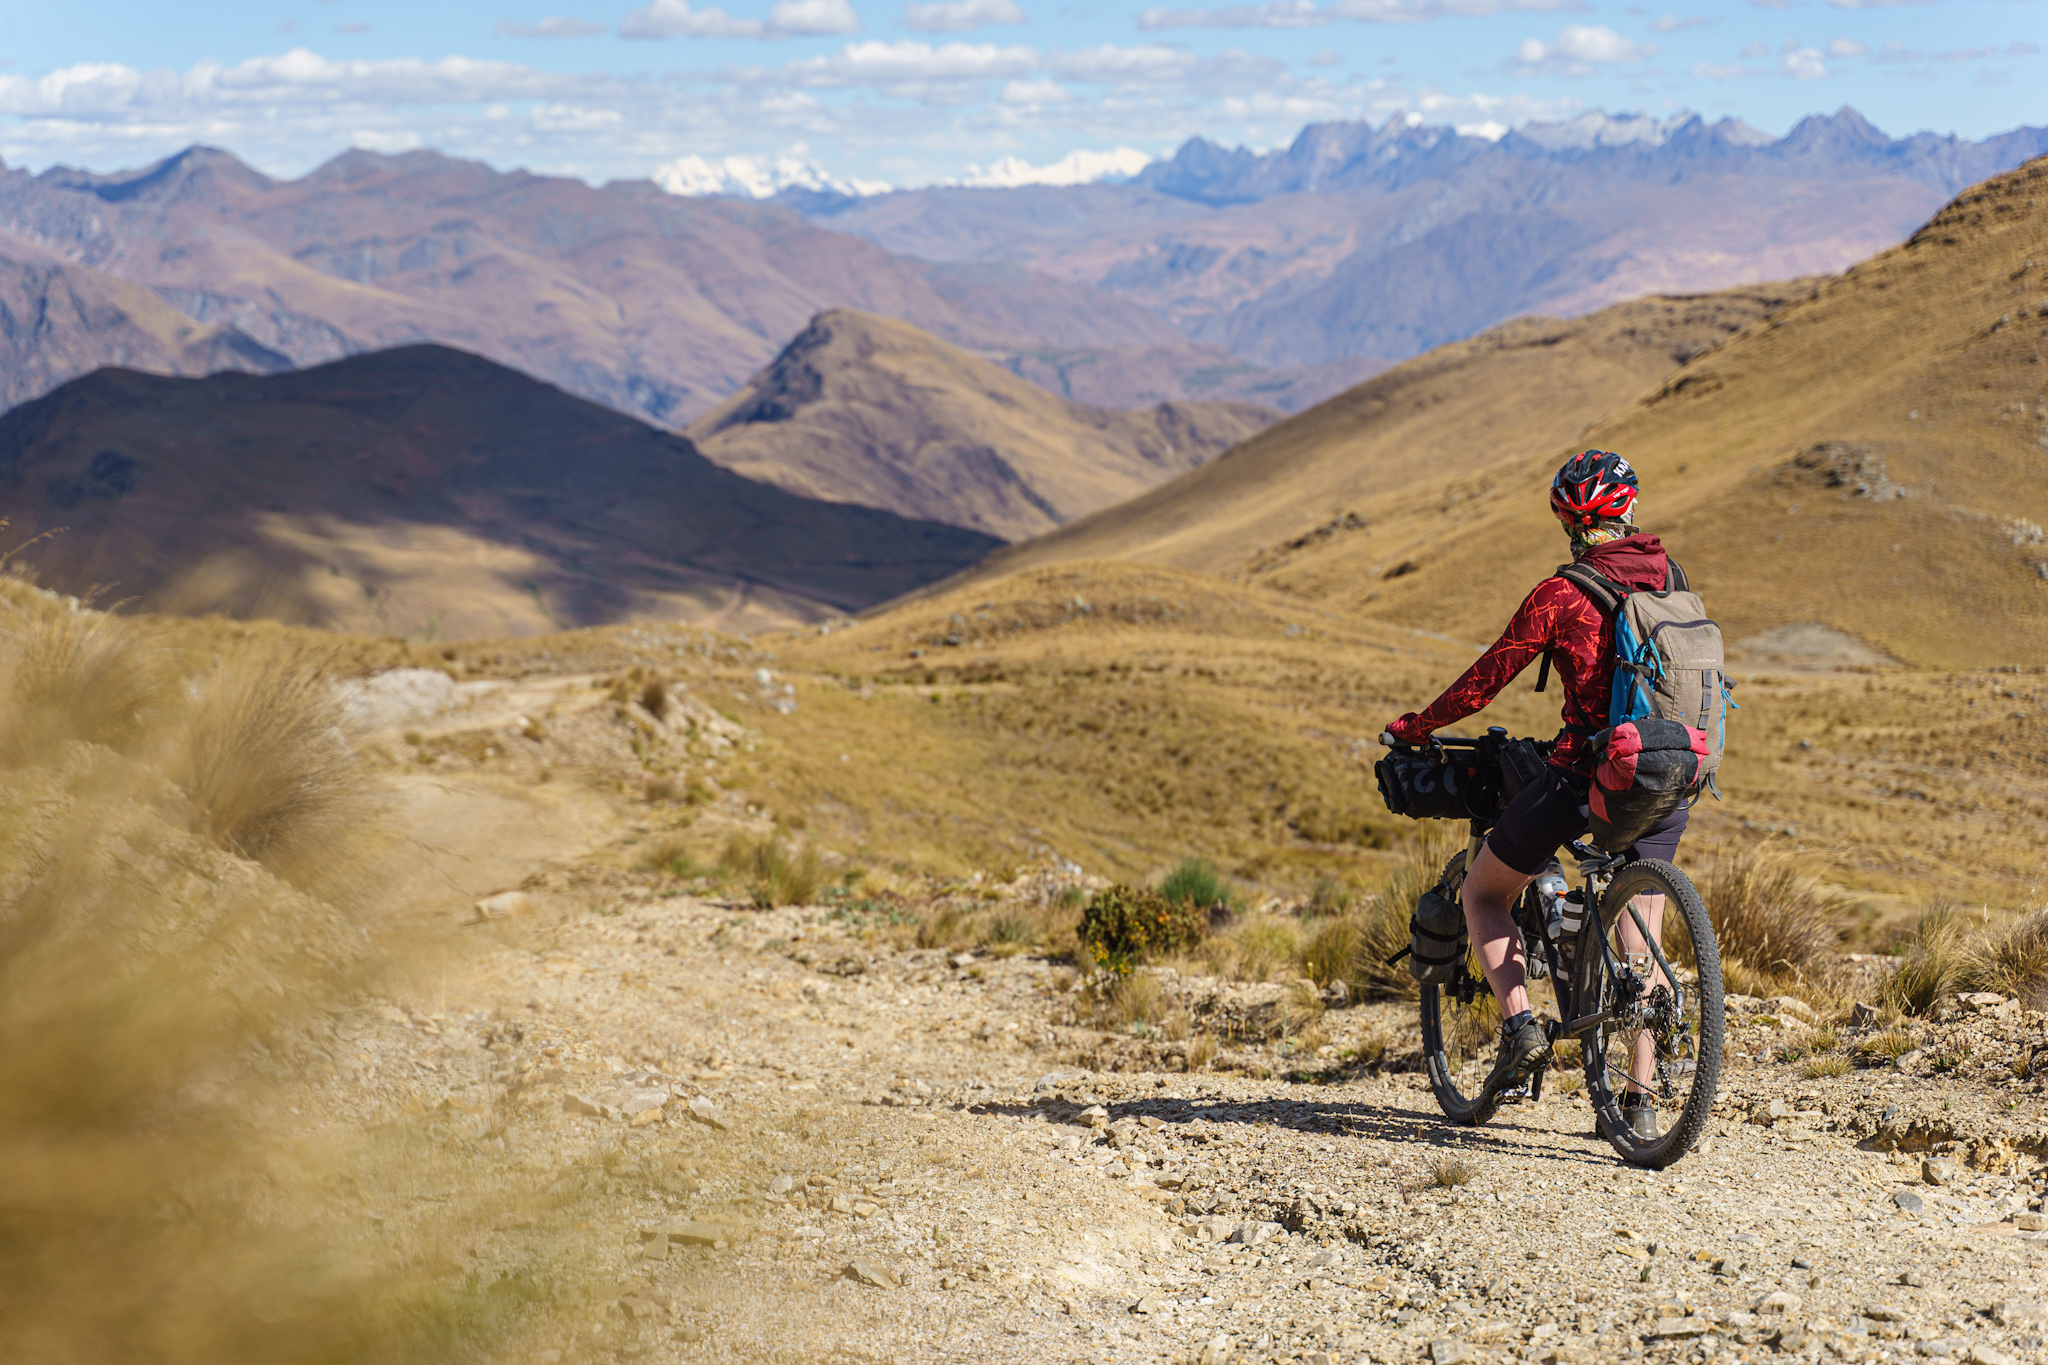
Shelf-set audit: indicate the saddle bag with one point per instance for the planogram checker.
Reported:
(1646, 769)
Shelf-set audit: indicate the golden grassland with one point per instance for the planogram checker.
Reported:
(1861, 452)
(1127, 716)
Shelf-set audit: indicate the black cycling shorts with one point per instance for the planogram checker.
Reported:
(1551, 811)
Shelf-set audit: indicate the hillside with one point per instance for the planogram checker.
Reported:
(866, 410)
(1333, 474)
(425, 492)
(1386, 241)
(627, 295)
(1866, 459)
(59, 319)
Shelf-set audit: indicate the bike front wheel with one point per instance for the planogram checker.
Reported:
(1649, 975)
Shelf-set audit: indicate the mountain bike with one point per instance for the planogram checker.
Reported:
(1641, 999)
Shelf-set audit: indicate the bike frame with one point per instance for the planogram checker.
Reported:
(1596, 873)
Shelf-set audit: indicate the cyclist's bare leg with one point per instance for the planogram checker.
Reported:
(1643, 1059)
(1491, 887)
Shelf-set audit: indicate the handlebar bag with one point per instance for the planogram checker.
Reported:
(1425, 786)
(1647, 769)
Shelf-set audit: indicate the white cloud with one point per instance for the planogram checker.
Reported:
(1075, 168)
(552, 27)
(1329, 56)
(1751, 51)
(1035, 92)
(1306, 14)
(905, 64)
(1877, 4)
(390, 143)
(1671, 23)
(789, 19)
(1846, 47)
(1802, 63)
(757, 177)
(960, 16)
(1719, 71)
(804, 18)
(1578, 51)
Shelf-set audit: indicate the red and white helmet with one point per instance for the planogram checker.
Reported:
(1592, 487)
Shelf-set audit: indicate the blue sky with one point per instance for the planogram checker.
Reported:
(911, 93)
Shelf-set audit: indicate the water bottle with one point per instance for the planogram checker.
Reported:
(1560, 916)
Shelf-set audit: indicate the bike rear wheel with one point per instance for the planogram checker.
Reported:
(1661, 1012)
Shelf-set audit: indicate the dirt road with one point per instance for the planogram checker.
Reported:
(714, 1132)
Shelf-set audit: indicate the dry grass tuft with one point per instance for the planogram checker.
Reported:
(1133, 999)
(2014, 960)
(267, 766)
(151, 945)
(669, 855)
(1824, 1067)
(1449, 1172)
(1887, 1045)
(1934, 960)
(772, 874)
(1772, 919)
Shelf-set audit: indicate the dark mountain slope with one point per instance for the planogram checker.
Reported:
(423, 490)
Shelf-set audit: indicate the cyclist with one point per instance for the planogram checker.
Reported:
(1594, 496)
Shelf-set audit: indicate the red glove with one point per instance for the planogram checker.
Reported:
(1409, 729)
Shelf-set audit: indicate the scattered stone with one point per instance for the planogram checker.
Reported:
(962, 959)
(1908, 1201)
(782, 1184)
(1217, 1352)
(1884, 1312)
(1255, 1234)
(1094, 1116)
(1779, 1301)
(1938, 1171)
(1212, 1230)
(503, 906)
(1864, 1016)
(1051, 1080)
(639, 1308)
(2019, 1313)
(1449, 1351)
(692, 1234)
(1148, 1305)
(869, 1271)
(583, 1104)
(2031, 1222)
(705, 1111)
(1988, 1355)
(1679, 1329)
(1912, 1279)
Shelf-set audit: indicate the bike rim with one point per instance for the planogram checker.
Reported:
(1653, 1048)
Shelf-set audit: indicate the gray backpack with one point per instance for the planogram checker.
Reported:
(1668, 662)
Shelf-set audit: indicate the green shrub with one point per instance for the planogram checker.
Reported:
(1197, 883)
(1124, 925)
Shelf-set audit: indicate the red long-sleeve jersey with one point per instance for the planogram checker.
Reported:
(1558, 618)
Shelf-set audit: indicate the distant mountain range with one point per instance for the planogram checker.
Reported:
(1384, 242)
(1218, 274)
(648, 302)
